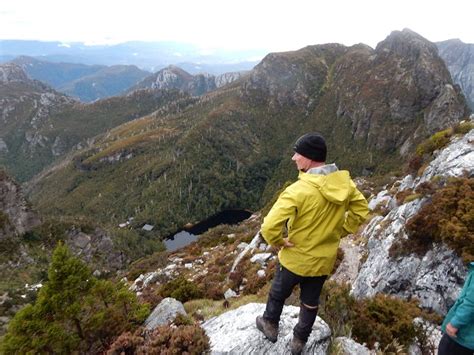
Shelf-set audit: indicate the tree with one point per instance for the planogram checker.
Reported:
(74, 311)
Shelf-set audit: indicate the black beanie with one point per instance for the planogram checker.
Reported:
(311, 146)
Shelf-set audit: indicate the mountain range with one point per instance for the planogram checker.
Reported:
(84, 82)
(231, 147)
(179, 147)
(149, 56)
(40, 124)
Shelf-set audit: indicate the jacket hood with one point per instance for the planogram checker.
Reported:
(336, 186)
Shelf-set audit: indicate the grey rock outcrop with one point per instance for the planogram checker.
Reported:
(348, 346)
(11, 72)
(16, 216)
(456, 159)
(96, 248)
(165, 312)
(235, 332)
(435, 278)
(459, 58)
(173, 77)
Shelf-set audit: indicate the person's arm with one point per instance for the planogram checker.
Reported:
(465, 312)
(284, 209)
(357, 212)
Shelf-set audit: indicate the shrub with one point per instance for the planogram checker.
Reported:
(166, 340)
(448, 218)
(384, 318)
(336, 307)
(436, 141)
(180, 337)
(74, 312)
(180, 289)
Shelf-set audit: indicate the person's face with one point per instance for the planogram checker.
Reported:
(302, 163)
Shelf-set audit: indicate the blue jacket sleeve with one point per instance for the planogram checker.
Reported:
(465, 312)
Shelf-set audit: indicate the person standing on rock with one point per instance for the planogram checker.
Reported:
(317, 210)
(458, 326)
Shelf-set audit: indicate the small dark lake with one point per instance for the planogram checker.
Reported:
(185, 236)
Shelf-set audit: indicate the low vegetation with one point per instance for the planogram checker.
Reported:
(447, 217)
(74, 312)
(182, 336)
(437, 141)
(382, 320)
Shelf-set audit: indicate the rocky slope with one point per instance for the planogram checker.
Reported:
(232, 147)
(173, 77)
(434, 278)
(40, 124)
(459, 58)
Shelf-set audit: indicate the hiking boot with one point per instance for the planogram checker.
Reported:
(296, 346)
(269, 329)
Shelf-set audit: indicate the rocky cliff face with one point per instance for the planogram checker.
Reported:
(386, 99)
(173, 77)
(459, 58)
(397, 93)
(16, 217)
(434, 278)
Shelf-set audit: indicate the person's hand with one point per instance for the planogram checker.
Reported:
(451, 330)
(287, 243)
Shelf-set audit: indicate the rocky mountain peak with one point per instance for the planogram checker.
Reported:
(407, 43)
(10, 72)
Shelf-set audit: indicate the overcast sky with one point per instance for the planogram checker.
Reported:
(275, 25)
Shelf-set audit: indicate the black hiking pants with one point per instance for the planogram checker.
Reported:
(282, 286)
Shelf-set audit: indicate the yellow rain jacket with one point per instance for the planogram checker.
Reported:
(317, 211)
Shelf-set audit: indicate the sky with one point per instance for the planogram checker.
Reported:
(274, 25)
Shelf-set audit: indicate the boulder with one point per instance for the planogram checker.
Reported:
(347, 346)
(165, 312)
(235, 332)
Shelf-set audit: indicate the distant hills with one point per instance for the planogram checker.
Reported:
(231, 148)
(149, 56)
(84, 82)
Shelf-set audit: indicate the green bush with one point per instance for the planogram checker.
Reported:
(448, 218)
(180, 289)
(383, 319)
(74, 312)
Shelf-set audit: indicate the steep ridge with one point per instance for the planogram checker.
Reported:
(40, 124)
(232, 148)
(459, 58)
(434, 276)
(173, 77)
